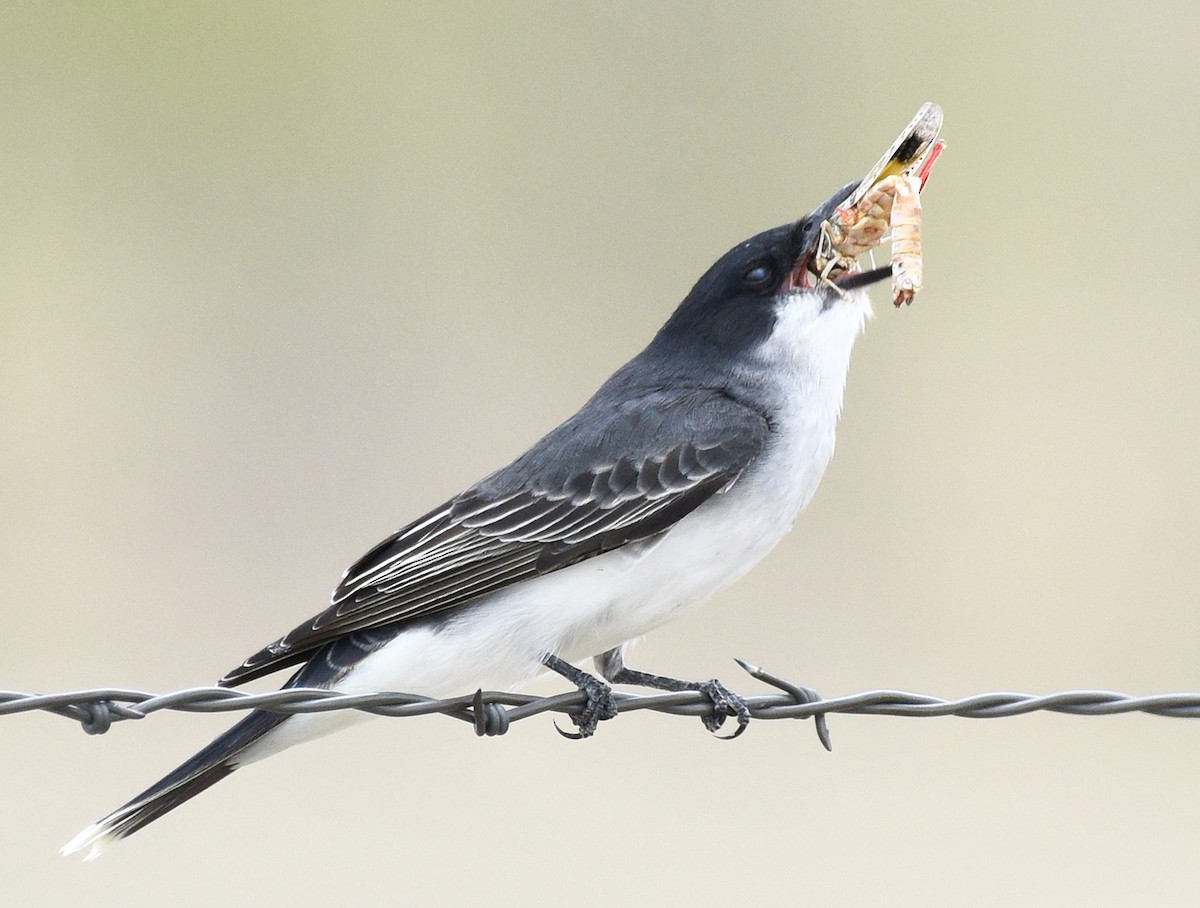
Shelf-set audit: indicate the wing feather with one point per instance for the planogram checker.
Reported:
(567, 499)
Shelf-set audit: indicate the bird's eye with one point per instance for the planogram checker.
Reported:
(759, 276)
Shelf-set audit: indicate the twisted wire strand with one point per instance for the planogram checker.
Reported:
(491, 712)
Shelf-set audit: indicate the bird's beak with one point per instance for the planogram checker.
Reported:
(804, 276)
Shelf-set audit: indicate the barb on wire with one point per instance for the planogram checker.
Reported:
(491, 712)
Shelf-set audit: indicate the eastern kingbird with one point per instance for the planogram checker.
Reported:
(687, 466)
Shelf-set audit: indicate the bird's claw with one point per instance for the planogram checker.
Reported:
(599, 706)
(725, 704)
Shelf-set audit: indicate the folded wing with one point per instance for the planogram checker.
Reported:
(572, 496)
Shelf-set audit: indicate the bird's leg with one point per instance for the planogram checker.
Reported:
(725, 703)
(599, 703)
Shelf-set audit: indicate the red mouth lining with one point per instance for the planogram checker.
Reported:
(927, 167)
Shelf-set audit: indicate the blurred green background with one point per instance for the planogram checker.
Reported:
(278, 277)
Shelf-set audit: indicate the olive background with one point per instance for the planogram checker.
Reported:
(278, 277)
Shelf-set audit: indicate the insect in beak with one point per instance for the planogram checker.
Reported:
(889, 196)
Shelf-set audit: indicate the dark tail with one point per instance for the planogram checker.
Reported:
(324, 668)
(206, 768)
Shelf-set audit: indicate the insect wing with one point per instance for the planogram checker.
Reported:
(906, 152)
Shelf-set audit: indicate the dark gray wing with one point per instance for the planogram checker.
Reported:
(606, 477)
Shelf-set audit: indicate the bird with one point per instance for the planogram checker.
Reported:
(679, 474)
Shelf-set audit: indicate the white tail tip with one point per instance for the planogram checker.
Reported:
(95, 838)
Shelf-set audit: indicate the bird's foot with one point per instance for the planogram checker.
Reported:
(725, 704)
(598, 706)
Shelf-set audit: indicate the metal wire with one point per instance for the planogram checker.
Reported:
(492, 712)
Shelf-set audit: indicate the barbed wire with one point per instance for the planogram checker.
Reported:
(491, 712)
